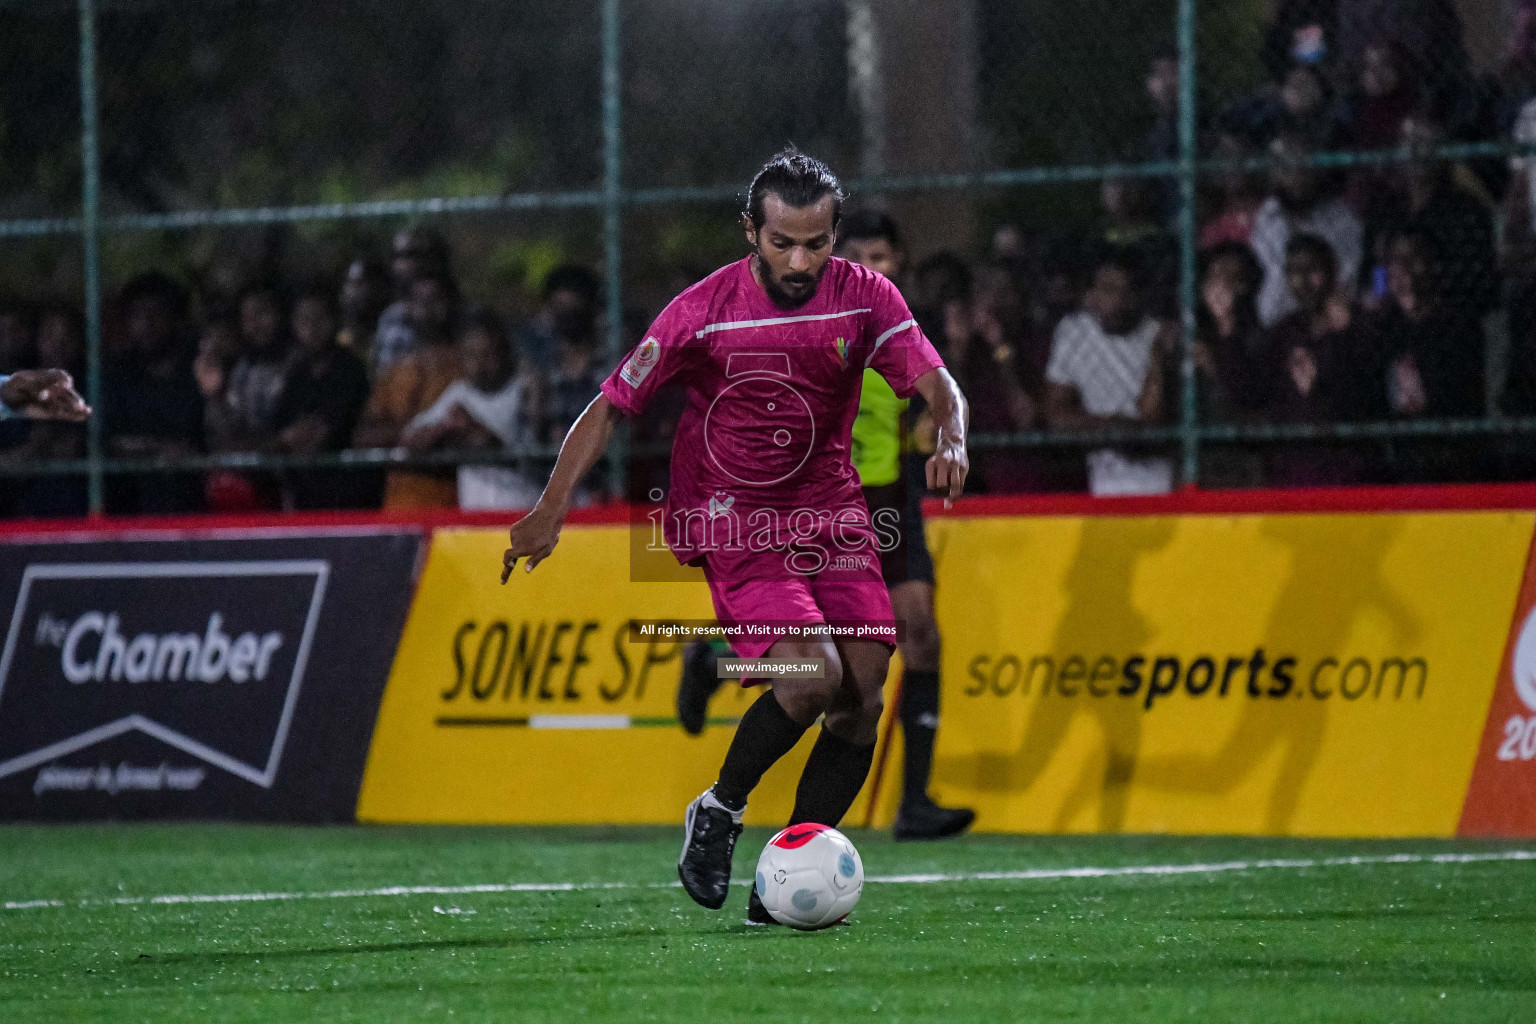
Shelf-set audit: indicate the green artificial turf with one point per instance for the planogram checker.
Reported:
(1376, 942)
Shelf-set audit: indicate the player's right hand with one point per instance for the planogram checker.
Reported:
(532, 537)
(946, 469)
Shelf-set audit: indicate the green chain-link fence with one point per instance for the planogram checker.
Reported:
(221, 139)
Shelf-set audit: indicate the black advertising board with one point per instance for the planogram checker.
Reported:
(236, 676)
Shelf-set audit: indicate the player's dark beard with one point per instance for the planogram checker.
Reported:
(776, 293)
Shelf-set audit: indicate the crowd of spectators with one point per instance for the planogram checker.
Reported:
(392, 358)
(1328, 292)
(1371, 291)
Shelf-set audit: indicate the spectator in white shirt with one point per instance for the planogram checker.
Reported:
(1105, 371)
(493, 407)
(1300, 205)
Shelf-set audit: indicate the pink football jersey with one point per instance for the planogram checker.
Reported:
(772, 394)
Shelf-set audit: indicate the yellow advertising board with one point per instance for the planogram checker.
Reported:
(1324, 674)
(1284, 674)
(529, 703)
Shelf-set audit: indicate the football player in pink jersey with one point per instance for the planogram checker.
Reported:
(772, 350)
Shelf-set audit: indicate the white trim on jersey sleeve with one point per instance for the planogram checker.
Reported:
(887, 337)
(734, 325)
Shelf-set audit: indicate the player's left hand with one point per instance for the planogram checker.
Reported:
(44, 395)
(946, 469)
(532, 537)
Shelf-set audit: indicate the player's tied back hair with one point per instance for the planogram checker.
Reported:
(797, 179)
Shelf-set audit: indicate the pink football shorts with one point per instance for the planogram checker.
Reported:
(756, 588)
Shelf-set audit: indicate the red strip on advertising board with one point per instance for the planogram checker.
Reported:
(1501, 799)
(1436, 498)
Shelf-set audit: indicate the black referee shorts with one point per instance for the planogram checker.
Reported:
(909, 559)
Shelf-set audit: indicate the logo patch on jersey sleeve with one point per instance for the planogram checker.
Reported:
(641, 362)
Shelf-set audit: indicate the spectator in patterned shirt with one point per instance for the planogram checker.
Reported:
(1105, 371)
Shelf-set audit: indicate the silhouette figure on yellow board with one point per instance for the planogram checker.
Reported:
(1100, 617)
(1344, 554)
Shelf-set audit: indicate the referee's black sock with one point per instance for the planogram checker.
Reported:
(833, 776)
(919, 713)
(765, 734)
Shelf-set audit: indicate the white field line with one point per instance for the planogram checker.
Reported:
(1026, 875)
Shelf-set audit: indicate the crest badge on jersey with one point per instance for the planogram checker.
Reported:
(841, 344)
(641, 362)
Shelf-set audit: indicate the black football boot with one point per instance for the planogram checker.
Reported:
(710, 839)
(924, 819)
(756, 912)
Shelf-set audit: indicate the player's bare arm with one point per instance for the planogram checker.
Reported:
(44, 395)
(534, 536)
(947, 467)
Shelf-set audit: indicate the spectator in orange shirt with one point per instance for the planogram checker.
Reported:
(409, 387)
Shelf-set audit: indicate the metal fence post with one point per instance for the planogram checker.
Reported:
(1189, 412)
(90, 234)
(613, 221)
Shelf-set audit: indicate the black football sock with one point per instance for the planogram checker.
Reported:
(833, 776)
(765, 734)
(919, 715)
